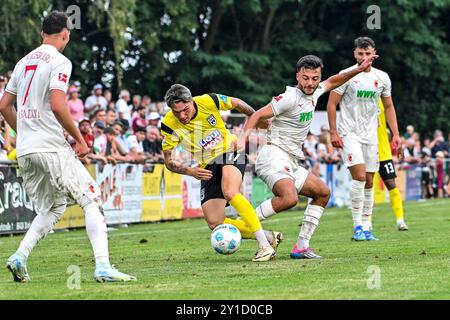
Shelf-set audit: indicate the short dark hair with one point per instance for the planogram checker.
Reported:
(55, 22)
(309, 62)
(177, 93)
(98, 111)
(364, 43)
(109, 130)
(140, 129)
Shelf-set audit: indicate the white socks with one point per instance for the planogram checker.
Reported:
(367, 209)
(310, 221)
(97, 232)
(41, 226)
(357, 199)
(261, 238)
(95, 227)
(265, 210)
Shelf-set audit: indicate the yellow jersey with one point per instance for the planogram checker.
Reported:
(384, 147)
(205, 136)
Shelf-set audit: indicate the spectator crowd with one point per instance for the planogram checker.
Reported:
(128, 130)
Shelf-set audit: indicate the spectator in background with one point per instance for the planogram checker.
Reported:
(99, 115)
(409, 132)
(162, 108)
(136, 102)
(108, 96)
(99, 138)
(438, 144)
(3, 82)
(440, 173)
(139, 119)
(77, 86)
(99, 145)
(146, 102)
(427, 177)
(8, 75)
(120, 129)
(427, 146)
(110, 117)
(154, 119)
(310, 147)
(448, 146)
(113, 151)
(75, 105)
(136, 146)
(95, 101)
(86, 132)
(123, 110)
(325, 151)
(410, 151)
(152, 144)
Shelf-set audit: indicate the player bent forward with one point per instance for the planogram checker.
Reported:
(277, 162)
(195, 124)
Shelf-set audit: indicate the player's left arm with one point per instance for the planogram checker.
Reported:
(7, 109)
(339, 79)
(391, 119)
(242, 106)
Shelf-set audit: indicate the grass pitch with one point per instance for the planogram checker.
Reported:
(174, 260)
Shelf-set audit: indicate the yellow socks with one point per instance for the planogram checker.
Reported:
(245, 230)
(396, 203)
(246, 211)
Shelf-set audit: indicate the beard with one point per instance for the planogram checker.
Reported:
(302, 88)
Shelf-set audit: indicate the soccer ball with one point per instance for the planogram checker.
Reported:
(225, 239)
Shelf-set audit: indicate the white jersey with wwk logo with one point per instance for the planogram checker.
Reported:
(40, 71)
(359, 104)
(293, 112)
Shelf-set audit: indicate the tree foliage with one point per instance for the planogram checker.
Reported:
(246, 48)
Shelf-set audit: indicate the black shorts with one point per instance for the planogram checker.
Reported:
(212, 189)
(387, 170)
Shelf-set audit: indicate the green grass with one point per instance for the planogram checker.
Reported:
(177, 261)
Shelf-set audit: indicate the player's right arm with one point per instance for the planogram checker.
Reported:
(8, 100)
(169, 143)
(179, 167)
(7, 109)
(333, 101)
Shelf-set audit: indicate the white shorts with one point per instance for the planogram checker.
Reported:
(355, 153)
(56, 178)
(274, 164)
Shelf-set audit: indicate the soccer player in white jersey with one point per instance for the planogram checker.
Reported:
(357, 132)
(52, 173)
(277, 161)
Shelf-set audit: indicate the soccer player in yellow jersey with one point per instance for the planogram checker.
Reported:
(387, 169)
(195, 124)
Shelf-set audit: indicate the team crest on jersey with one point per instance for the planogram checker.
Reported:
(62, 77)
(350, 158)
(287, 169)
(278, 98)
(376, 83)
(212, 120)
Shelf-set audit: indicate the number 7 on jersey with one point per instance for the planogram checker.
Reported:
(33, 68)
